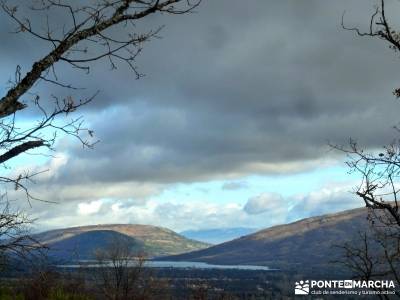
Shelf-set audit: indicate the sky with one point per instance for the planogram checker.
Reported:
(229, 127)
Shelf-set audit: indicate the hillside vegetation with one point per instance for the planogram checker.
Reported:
(81, 242)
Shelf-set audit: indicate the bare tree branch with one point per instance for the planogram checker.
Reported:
(17, 150)
(123, 11)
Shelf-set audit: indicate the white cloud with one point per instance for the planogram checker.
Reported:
(260, 211)
(89, 208)
(265, 202)
(333, 197)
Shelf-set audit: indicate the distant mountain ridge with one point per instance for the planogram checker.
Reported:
(81, 242)
(217, 235)
(305, 244)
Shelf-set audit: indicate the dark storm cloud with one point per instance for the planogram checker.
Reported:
(237, 88)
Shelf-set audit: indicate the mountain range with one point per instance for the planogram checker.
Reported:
(306, 244)
(82, 242)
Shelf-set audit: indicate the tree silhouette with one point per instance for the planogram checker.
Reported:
(92, 31)
(376, 254)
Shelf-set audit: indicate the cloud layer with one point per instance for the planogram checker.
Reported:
(263, 94)
(260, 211)
(233, 90)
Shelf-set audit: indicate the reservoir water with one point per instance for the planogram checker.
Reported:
(174, 264)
